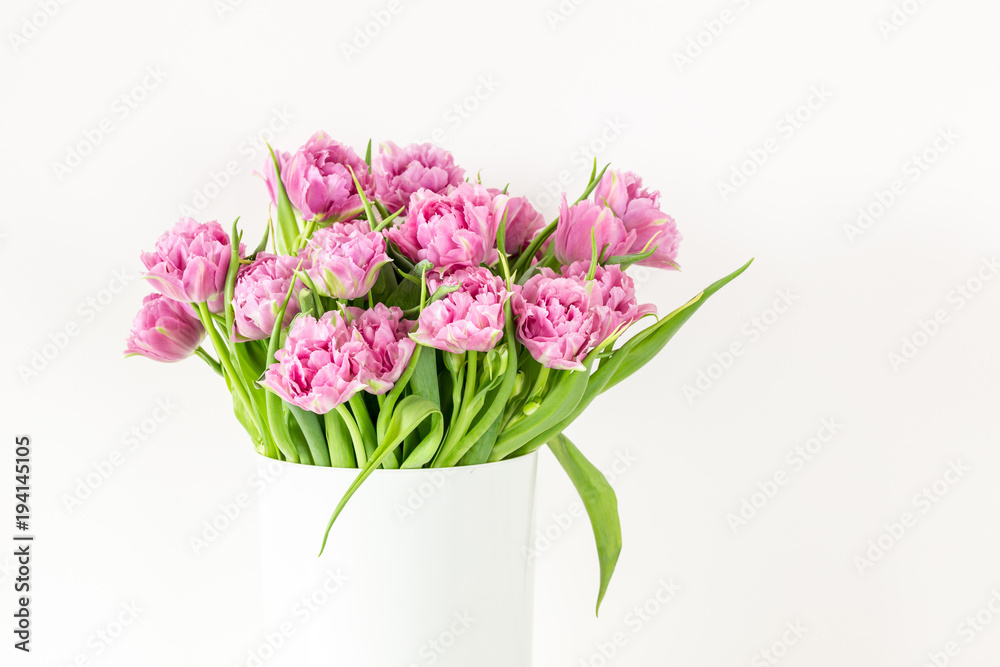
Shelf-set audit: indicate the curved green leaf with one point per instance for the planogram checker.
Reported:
(409, 413)
(601, 503)
(288, 225)
(638, 351)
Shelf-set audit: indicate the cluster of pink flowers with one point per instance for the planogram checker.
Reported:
(562, 312)
(328, 360)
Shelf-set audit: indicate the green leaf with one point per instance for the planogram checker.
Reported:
(367, 205)
(427, 447)
(593, 182)
(262, 246)
(387, 219)
(407, 294)
(389, 399)
(246, 419)
(626, 360)
(410, 412)
(385, 284)
(568, 388)
(601, 503)
(524, 259)
(480, 451)
(288, 225)
(638, 351)
(424, 382)
(230, 284)
(626, 261)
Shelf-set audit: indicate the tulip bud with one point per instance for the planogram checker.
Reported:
(164, 330)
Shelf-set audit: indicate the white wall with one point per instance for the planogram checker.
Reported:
(605, 77)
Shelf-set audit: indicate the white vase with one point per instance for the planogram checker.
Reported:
(423, 567)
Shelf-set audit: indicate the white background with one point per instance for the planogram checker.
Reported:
(600, 78)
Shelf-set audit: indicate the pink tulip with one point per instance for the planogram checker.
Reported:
(452, 231)
(319, 183)
(320, 365)
(523, 223)
(399, 172)
(471, 318)
(271, 179)
(585, 223)
(190, 263)
(389, 348)
(325, 362)
(639, 210)
(164, 330)
(561, 318)
(345, 258)
(260, 290)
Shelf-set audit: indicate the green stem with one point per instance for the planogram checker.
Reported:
(337, 436)
(352, 427)
(541, 380)
(237, 381)
(213, 364)
(308, 422)
(306, 233)
(364, 422)
(525, 259)
(460, 424)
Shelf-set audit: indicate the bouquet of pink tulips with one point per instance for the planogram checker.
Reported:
(410, 318)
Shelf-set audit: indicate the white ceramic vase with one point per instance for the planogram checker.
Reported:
(424, 567)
